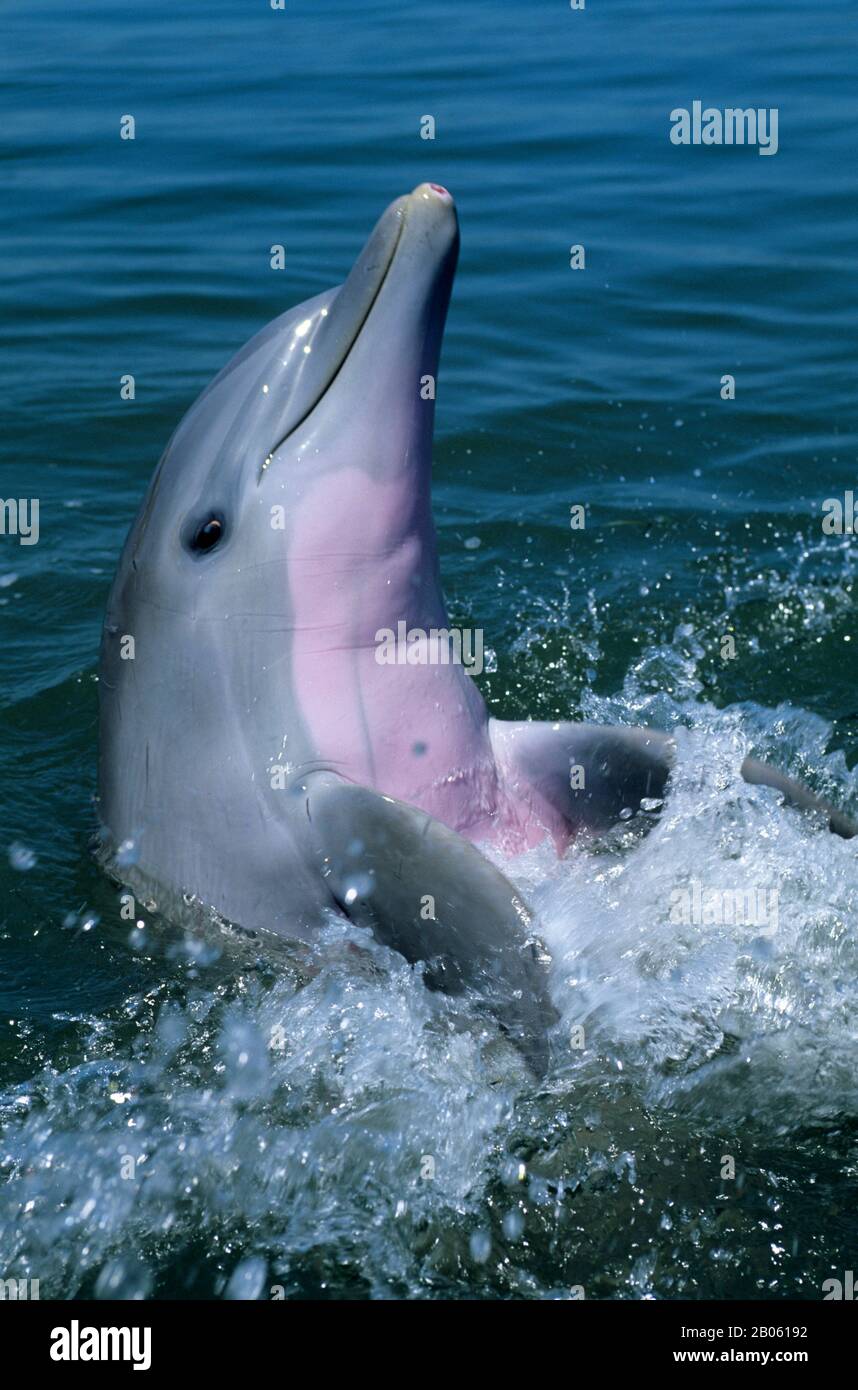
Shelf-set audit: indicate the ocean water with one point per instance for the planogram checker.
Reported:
(152, 1141)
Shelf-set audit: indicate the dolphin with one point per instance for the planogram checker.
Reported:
(257, 757)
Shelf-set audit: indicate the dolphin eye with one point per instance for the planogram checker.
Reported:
(207, 536)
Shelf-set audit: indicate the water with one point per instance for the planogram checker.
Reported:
(153, 1140)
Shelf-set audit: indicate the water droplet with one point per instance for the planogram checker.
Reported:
(127, 853)
(125, 1278)
(480, 1246)
(513, 1225)
(21, 858)
(247, 1060)
(357, 886)
(247, 1281)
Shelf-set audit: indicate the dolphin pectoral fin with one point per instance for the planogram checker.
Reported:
(797, 794)
(432, 896)
(588, 774)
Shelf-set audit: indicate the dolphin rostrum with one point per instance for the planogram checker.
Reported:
(256, 755)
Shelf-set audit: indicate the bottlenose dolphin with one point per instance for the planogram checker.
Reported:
(256, 756)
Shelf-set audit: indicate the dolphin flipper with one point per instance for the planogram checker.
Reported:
(585, 773)
(431, 895)
(619, 768)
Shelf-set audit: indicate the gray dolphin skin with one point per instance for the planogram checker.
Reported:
(256, 756)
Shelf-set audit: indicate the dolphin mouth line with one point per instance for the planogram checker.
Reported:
(323, 390)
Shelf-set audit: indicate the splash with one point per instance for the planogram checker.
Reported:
(249, 1132)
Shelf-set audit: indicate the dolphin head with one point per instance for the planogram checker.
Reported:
(340, 386)
(288, 520)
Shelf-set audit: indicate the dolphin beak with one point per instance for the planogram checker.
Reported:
(415, 242)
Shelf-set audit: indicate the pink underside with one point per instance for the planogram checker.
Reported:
(416, 732)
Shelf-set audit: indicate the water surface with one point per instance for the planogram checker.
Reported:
(152, 1141)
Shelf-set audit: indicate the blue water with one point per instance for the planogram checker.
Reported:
(600, 387)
